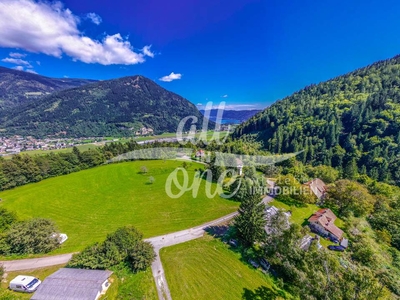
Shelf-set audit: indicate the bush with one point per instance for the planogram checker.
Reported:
(31, 237)
(123, 246)
(6, 219)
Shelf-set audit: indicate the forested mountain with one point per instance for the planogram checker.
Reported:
(19, 87)
(116, 107)
(350, 122)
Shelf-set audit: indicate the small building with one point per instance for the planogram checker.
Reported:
(73, 284)
(318, 188)
(344, 243)
(307, 240)
(270, 212)
(239, 166)
(200, 154)
(323, 222)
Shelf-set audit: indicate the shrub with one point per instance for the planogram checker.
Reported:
(31, 237)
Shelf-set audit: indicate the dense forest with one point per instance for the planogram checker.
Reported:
(350, 122)
(116, 107)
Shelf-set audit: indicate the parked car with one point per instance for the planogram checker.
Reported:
(233, 243)
(336, 248)
(253, 263)
(25, 284)
(334, 240)
(264, 264)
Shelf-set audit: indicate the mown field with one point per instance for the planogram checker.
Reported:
(91, 203)
(206, 268)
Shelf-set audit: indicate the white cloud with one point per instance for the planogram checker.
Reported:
(31, 71)
(16, 61)
(146, 51)
(19, 68)
(38, 62)
(95, 18)
(171, 77)
(49, 28)
(224, 96)
(17, 55)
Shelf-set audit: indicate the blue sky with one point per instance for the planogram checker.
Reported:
(250, 51)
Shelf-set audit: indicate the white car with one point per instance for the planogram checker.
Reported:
(25, 284)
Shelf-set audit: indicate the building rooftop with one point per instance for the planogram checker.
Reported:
(72, 284)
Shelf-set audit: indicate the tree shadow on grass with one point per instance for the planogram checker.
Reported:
(220, 231)
(261, 293)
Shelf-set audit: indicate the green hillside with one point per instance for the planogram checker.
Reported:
(350, 122)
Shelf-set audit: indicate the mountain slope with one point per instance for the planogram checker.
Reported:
(351, 122)
(19, 87)
(106, 108)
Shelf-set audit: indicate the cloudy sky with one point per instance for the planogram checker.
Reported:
(247, 53)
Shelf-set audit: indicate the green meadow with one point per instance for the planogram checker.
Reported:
(89, 204)
(207, 269)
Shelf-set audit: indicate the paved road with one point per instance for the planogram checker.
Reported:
(158, 243)
(36, 263)
(178, 238)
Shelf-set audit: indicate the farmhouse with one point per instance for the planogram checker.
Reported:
(318, 188)
(323, 222)
(76, 284)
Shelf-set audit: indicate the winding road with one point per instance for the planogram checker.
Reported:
(158, 242)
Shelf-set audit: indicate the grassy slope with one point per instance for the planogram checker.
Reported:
(89, 204)
(207, 269)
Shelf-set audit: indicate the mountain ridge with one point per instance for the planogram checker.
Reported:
(105, 108)
(20, 87)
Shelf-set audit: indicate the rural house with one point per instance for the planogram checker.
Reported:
(323, 223)
(318, 188)
(76, 284)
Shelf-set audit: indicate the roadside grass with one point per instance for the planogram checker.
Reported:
(41, 273)
(89, 204)
(206, 268)
(125, 285)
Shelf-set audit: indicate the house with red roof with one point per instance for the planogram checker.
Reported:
(323, 222)
(318, 188)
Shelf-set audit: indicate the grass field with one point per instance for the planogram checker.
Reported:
(207, 269)
(125, 285)
(89, 204)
